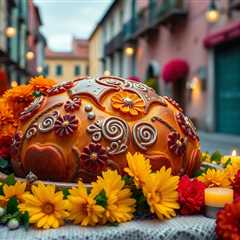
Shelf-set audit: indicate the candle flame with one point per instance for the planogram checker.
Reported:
(234, 153)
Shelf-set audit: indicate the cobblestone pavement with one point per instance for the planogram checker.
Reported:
(224, 143)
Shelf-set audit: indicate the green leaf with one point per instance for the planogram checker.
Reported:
(1, 188)
(198, 173)
(127, 179)
(4, 219)
(65, 192)
(101, 199)
(113, 224)
(229, 161)
(12, 205)
(3, 163)
(37, 94)
(10, 180)
(142, 208)
(216, 157)
(25, 220)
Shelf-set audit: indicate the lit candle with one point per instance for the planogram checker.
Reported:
(234, 157)
(215, 199)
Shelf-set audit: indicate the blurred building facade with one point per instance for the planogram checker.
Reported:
(16, 30)
(36, 41)
(95, 52)
(140, 38)
(66, 66)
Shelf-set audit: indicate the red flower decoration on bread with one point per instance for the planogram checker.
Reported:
(65, 125)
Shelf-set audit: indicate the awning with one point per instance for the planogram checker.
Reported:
(224, 35)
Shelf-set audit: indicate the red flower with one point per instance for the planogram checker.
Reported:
(65, 125)
(236, 186)
(227, 223)
(176, 69)
(72, 105)
(191, 195)
(5, 146)
(94, 158)
(176, 144)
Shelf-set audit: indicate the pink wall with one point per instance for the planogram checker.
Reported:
(183, 41)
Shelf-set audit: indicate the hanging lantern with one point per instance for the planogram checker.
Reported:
(213, 14)
(174, 70)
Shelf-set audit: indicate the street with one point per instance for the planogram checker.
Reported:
(224, 143)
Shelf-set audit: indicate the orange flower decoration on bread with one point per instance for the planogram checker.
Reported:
(128, 102)
(42, 84)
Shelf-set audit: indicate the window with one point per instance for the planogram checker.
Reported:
(77, 70)
(46, 70)
(59, 70)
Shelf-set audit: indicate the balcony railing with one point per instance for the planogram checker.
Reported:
(234, 5)
(148, 19)
(171, 10)
(129, 28)
(115, 44)
(161, 12)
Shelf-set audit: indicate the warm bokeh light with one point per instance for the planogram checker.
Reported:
(129, 51)
(30, 55)
(10, 32)
(107, 73)
(234, 153)
(39, 69)
(194, 84)
(213, 16)
(14, 83)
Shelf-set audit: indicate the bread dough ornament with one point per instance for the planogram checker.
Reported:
(81, 128)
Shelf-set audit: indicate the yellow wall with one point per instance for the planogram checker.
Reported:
(95, 53)
(68, 68)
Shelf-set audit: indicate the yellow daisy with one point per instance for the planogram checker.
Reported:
(232, 169)
(120, 206)
(17, 190)
(46, 207)
(138, 167)
(215, 178)
(83, 208)
(205, 157)
(160, 191)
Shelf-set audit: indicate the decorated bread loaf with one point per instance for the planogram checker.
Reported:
(80, 128)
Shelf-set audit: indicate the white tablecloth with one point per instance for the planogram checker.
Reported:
(185, 228)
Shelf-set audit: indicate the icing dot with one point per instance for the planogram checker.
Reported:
(88, 108)
(91, 115)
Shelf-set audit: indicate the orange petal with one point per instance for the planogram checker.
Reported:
(124, 108)
(133, 111)
(117, 105)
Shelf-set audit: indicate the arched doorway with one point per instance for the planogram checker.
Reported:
(152, 75)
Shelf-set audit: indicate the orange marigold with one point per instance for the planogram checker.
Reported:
(18, 98)
(128, 102)
(42, 84)
(8, 123)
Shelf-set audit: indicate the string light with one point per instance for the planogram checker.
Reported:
(10, 32)
(30, 55)
(129, 51)
(14, 84)
(107, 73)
